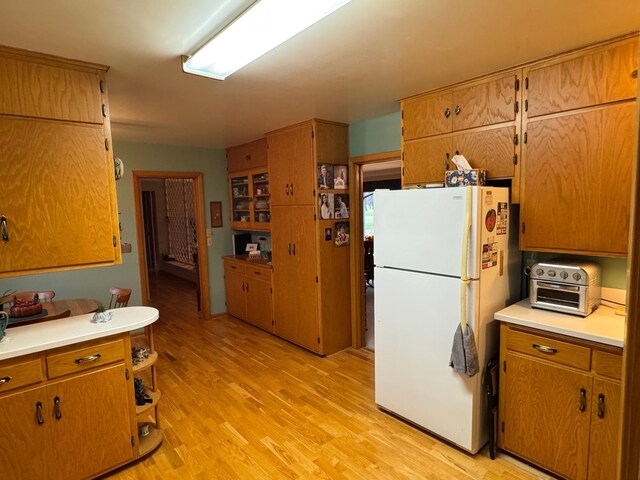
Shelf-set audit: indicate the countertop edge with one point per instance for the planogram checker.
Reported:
(68, 331)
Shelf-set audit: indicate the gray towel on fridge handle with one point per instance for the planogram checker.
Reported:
(464, 356)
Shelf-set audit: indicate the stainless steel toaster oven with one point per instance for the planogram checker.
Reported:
(565, 286)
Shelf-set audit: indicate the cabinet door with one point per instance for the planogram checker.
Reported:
(259, 304)
(605, 429)
(284, 274)
(577, 182)
(427, 115)
(547, 415)
(240, 201)
(247, 156)
(581, 81)
(425, 160)
(291, 166)
(486, 103)
(261, 215)
(58, 204)
(492, 150)
(93, 432)
(235, 291)
(33, 89)
(27, 448)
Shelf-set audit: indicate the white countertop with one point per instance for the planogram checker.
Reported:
(602, 326)
(67, 331)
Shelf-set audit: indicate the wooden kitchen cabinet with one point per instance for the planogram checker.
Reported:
(248, 292)
(247, 156)
(311, 283)
(560, 402)
(250, 200)
(60, 209)
(577, 157)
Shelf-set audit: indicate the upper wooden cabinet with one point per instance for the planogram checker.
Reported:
(60, 210)
(474, 104)
(250, 200)
(247, 156)
(35, 86)
(590, 77)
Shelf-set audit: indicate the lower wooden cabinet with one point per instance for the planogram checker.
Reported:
(248, 292)
(560, 402)
(69, 424)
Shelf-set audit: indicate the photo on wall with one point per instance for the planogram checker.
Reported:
(342, 234)
(325, 206)
(340, 177)
(325, 176)
(341, 205)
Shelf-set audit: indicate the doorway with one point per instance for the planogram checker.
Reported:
(370, 172)
(170, 222)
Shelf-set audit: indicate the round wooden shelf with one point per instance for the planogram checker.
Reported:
(155, 396)
(151, 441)
(151, 360)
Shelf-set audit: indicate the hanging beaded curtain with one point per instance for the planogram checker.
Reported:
(181, 223)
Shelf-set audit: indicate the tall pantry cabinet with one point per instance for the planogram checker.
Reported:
(311, 299)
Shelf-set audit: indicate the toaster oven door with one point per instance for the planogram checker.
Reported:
(559, 297)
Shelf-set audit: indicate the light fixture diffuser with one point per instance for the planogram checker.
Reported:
(262, 27)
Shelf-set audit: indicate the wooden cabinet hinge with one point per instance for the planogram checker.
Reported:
(526, 105)
(312, 133)
(104, 110)
(502, 427)
(126, 373)
(517, 86)
(318, 339)
(526, 83)
(504, 366)
(133, 441)
(515, 139)
(402, 114)
(523, 227)
(515, 159)
(403, 171)
(270, 290)
(516, 107)
(525, 138)
(314, 217)
(106, 144)
(114, 241)
(402, 132)
(101, 86)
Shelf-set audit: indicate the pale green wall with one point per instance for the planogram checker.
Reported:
(95, 282)
(380, 134)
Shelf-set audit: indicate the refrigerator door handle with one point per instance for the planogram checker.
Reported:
(464, 278)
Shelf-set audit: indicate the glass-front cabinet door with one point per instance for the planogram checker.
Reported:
(240, 201)
(261, 200)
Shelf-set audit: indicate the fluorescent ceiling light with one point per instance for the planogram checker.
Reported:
(264, 26)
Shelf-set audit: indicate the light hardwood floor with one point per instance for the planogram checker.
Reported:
(239, 403)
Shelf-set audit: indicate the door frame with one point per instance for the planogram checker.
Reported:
(357, 250)
(203, 262)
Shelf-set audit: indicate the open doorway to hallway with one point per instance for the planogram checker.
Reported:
(170, 220)
(380, 175)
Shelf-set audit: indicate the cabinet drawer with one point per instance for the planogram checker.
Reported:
(553, 350)
(607, 364)
(235, 267)
(84, 358)
(259, 273)
(20, 374)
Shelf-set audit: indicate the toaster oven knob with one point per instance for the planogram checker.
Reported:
(551, 273)
(564, 275)
(577, 276)
(539, 272)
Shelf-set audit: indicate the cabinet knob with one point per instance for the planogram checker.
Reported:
(457, 110)
(447, 113)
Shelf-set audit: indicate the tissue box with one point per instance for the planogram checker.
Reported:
(456, 178)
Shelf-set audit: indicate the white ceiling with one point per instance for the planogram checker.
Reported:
(353, 65)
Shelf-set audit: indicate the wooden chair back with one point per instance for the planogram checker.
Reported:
(119, 297)
(45, 296)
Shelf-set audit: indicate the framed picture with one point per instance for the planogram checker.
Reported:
(325, 206)
(340, 177)
(342, 234)
(216, 214)
(341, 205)
(325, 176)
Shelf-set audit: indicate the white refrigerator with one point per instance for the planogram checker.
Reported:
(420, 281)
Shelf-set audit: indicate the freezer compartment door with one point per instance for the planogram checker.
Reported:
(421, 230)
(416, 316)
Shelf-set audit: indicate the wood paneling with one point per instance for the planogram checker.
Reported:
(565, 353)
(583, 79)
(490, 149)
(427, 115)
(35, 89)
(605, 429)
(485, 103)
(543, 422)
(425, 160)
(576, 182)
(60, 211)
(247, 156)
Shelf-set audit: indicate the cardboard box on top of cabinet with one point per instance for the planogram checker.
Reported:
(458, 178)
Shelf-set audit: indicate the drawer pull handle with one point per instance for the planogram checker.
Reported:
(601, 406)
(4, 380)
(447, 113)
(545, 349)
(88, 358)
(583, 400)
(56, 408)
(457, 110)
(5, 229)
(257, 273)
(39, 416)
